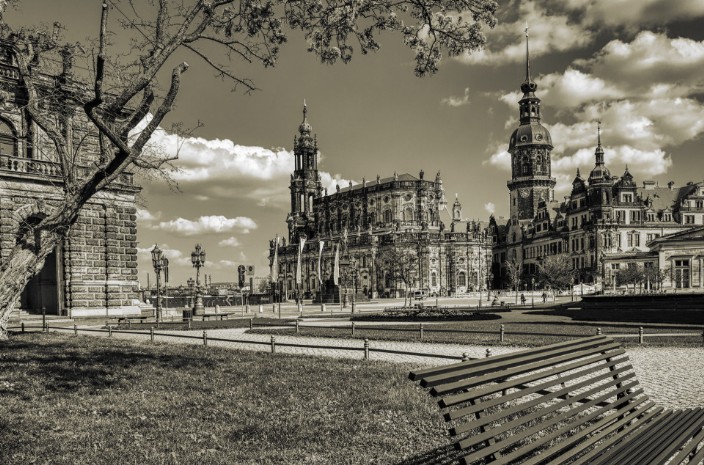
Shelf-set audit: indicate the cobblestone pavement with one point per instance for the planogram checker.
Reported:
(671, 376)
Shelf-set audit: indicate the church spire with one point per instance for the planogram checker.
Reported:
(528, 87)
(599, 153)
(527, 56)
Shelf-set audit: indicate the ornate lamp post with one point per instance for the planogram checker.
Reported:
(191, 285)
(160, 262)
(198, 261)
(353, 270)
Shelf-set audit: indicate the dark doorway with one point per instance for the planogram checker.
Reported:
(43, 290)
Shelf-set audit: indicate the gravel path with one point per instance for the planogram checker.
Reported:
(670, 376)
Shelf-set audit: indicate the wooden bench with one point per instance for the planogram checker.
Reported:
(130, 319)
(575, 402)
(222, 316)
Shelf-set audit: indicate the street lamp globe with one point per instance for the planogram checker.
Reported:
(156, 256)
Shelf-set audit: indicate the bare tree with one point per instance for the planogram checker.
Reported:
(514, 270)
(402, 265)
(556, 272)
(128, 101)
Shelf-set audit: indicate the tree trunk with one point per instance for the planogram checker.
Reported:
(22, 264)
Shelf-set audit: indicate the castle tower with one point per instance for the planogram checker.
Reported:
(600, 182)
(530, 146)
(305, 181)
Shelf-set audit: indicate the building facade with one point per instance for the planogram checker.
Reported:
(93, 272)
(394, 234)
(605, 222)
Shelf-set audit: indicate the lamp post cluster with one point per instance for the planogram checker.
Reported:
(198, 261)
(160, 263)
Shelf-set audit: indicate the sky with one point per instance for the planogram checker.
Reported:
(635, 65)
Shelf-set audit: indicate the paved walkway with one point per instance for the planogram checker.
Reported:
(670, 376)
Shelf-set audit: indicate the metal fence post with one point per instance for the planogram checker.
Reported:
(421, 331)
(488, 353)
(501, 333)
(273, 344)
(598, 331)
(44, 326)
(297, 327)
(366, 349)
(23, 326)
(151, 333)
(640, 335)
(109, 331)
(189, 323)
(75, 330)
(465, 357)
(353, 328)
(205, 337)
(251, 323)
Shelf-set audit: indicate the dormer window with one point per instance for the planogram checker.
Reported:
(627, 197)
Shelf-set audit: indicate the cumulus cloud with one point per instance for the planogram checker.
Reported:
(175, 256)
(222, 169)
(630, 13)
(145, 215)
(499, 159)
(453, 101)
(208, 225)
(549, 31)
(231, 241)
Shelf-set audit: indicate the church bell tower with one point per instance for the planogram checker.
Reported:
(305, 181)
(530, 146)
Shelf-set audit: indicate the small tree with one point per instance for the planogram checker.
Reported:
(556, 271)
(514, 270)
(632, 274)
(402, 265)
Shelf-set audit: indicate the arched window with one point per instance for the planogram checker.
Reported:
(461, 279)
(434, 280)
(387, 216)
(8, 139)
(408, 214)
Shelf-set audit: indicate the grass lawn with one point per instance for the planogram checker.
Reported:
(526, 328)
(84, 400)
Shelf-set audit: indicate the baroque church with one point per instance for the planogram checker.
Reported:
(605, 224)
(93, 272)
(395, 234)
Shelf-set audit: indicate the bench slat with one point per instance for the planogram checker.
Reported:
(664, 439)
(538, 413)
(432, 371)
(513, 439)
(679, 458)
(458, 413)
(577, 444)
(454, 399)
(636, 441)
(493, 364)
(679, 438)
(519, 370)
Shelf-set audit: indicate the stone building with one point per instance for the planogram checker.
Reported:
(94, 271)
(376, 223)
(605, 218)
